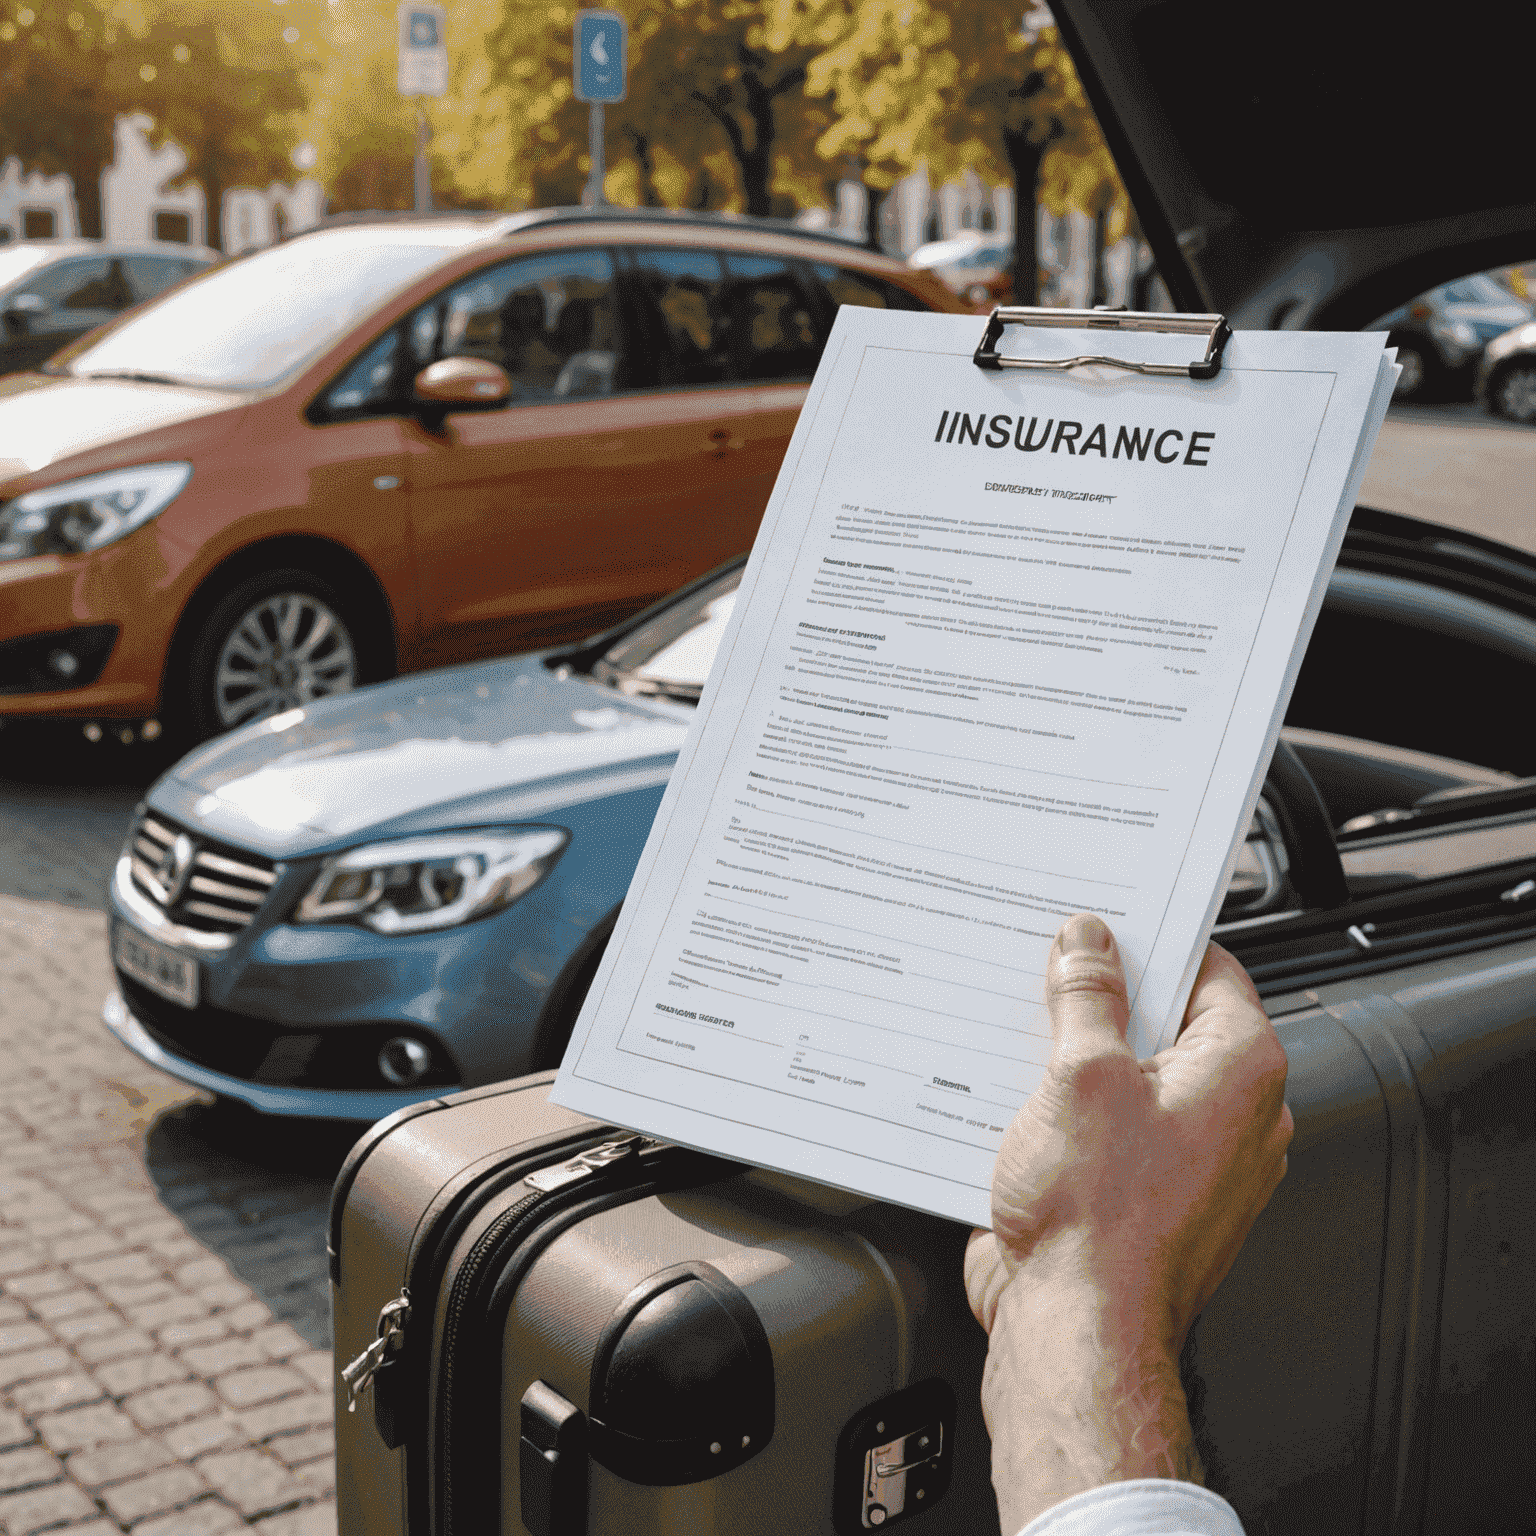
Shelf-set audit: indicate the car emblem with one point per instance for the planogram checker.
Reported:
(174, 867)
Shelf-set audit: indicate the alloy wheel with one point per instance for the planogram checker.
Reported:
(1411, 380)
(1515, 394)
(285, 651)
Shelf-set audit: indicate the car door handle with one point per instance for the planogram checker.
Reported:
(722, 442)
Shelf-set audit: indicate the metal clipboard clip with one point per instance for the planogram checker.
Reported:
(1213, 328)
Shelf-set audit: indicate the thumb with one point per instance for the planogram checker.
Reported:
(1085, 992)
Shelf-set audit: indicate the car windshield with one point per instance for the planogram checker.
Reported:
(20, 260)
(253, 322)
(1480, 288)
(672, 653)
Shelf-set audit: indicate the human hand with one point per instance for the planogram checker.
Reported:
(1122, 1193)
(1137, 1180)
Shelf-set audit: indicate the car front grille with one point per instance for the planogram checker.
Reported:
(200, 884)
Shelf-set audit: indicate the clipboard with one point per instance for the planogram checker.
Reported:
(1213, 328)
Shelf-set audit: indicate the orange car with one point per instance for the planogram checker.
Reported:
(387, 446)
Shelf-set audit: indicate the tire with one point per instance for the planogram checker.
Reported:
(275, 642)
(1413, 384)
(1513, 392)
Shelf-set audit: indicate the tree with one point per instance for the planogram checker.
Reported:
(59, 97)
(225, 80)
(953, 88)
(715, 118)
(228, 85)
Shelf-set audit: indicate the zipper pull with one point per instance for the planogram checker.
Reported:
(589, 1163)
(359, 1373)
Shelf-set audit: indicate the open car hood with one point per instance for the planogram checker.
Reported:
(1313, 169)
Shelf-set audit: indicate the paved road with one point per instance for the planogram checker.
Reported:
(1455, 464)
(164, 1348)
(163, 1303)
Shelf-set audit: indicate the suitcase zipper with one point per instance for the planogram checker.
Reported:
(359, 1374)
(578, 1183)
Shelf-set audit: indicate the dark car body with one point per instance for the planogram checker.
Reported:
(1506, 374)
(53, 291)
(1440, 335)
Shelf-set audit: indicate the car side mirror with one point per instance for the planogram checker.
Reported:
(462, 384)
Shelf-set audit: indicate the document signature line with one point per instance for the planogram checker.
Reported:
(942, 1013)
(890, 1029)
(950, 981)
(953, 853)
(864, 1061)
(869, 933)
(974, 1098)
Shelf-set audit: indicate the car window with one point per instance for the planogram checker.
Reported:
(151, 275)
(686, 293)
(845, 286)
(550, 321)
(672, 652)
(17, 260)
(372, 383)
(84, 287)
(249, 323)
(1477, 289)
(771, 327)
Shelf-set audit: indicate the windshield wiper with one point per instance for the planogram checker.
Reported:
(133, 375)
(648, 687)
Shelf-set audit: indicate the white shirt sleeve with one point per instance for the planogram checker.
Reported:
(1144, 1506)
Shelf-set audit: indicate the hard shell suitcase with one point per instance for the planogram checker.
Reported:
(561, 1327)
(608, 1336)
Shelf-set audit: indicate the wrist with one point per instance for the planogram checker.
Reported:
(1079, 1391)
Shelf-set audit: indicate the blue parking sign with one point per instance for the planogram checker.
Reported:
(599, 56)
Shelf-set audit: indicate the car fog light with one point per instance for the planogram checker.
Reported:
(64, 663)
(92, 732)
(151, 730)
(404, 1061)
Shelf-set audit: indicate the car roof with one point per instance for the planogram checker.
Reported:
(498, 226)
(85, 247)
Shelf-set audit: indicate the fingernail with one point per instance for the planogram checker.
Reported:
(1084, 934)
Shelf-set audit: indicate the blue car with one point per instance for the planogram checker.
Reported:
(403, 890)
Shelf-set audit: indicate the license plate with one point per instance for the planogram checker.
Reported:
(160, 969)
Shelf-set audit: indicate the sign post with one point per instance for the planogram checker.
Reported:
(598, 65)
(423, 72)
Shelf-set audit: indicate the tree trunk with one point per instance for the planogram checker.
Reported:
(84, 169)
(1025, 159)
(1100, 288)
(873, 203)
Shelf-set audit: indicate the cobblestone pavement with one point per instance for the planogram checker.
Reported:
(164, 1313)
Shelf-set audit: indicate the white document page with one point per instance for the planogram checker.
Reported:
(1011, 645)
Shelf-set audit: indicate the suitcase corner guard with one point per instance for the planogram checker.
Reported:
(682, 1384)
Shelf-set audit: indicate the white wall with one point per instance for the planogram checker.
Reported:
(35, 192)
(133, 187)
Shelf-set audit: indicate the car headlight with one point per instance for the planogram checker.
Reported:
(420, 884)
(1456, 333)
(81, 515)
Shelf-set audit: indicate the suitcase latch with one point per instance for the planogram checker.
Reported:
(895, 1458)
(889, 1483)
(358, 1374)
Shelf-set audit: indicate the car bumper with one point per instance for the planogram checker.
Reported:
(266, 1098)
(122, 587)
(304, 1010)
